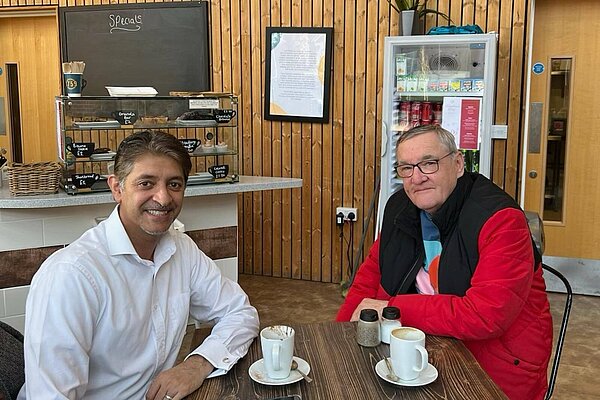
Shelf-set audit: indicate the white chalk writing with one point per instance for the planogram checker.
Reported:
(125, 23)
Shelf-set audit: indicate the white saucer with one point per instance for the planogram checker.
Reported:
(429, 375)
(258, 374)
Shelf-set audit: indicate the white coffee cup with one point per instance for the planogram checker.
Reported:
(277, 343)
(408, 353)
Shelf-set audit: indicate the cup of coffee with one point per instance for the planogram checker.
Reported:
(277, 343)
(223, 115)
(74, 83)
(408, 353)
(125, 117)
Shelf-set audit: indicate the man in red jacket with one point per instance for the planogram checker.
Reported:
(456, 257)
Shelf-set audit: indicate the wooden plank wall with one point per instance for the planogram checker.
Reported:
(291, 233)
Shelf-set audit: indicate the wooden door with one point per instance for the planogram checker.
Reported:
(562, 173)
(29, 41)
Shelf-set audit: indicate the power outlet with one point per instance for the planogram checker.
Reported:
(346, 211)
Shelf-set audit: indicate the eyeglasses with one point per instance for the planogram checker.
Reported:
(426, 167)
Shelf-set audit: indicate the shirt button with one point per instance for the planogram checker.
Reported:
(226, 360)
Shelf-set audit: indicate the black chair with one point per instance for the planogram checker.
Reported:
(536, 227)
(563, 329)
(12, 364)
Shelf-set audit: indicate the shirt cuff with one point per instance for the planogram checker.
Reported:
(217, 354)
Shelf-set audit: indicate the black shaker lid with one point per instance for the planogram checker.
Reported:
(390, 313)
(369, 315)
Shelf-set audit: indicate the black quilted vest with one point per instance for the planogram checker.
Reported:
(474, 200)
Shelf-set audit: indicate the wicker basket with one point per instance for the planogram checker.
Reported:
(33, 179)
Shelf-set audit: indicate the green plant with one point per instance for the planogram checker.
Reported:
(420, 6)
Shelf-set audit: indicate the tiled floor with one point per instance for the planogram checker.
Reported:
(285, 300)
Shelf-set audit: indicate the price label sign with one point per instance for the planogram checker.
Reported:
(81, 149)
(190, 144)
(84, 181)
(219, 171)
(204, 103)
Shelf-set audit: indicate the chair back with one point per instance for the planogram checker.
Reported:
(12, 363)
(536, 227)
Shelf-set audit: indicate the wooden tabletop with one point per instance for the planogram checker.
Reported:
(342, 369)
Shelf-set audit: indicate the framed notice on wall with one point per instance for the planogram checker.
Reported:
(298, 73)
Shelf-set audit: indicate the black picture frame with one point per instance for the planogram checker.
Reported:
(286, 79)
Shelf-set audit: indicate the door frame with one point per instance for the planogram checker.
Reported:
(583, 274)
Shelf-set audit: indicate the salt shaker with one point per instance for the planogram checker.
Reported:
(390, 320)
(367, 330)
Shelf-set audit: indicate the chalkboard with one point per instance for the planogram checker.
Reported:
(163, 45)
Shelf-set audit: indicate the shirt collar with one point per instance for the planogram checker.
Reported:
(119, 242)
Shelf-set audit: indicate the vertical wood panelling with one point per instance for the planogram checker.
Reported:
(327, 210)
(349, 121)
(256, 70)
(291, 233)
(267, 154)
(315, 233)
(337, 93)
(516, 100)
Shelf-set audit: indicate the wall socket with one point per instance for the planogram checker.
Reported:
(346, 211)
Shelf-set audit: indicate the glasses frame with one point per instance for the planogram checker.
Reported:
(418, 165)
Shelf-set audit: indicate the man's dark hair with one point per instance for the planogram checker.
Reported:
(150, 142)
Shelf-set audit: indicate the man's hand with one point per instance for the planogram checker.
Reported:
(181, 380)
(369, 303)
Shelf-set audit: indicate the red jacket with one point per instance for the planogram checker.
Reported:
(503, 318)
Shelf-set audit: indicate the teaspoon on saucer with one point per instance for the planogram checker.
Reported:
(295, 368)
(391, 375)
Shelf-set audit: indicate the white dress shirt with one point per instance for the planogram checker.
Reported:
(101, 322)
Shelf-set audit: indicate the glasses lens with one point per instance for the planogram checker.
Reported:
(428, 167)
(404, 171)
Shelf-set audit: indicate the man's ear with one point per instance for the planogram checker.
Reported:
(115, 187)
(460, 164)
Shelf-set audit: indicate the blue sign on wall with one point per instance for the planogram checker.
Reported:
(538, 68)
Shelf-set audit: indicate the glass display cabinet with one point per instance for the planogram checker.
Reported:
(448, 80)
(89, 130)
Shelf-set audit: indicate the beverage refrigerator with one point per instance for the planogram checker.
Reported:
(438, 79)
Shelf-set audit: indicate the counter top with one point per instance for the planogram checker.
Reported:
(62, 199)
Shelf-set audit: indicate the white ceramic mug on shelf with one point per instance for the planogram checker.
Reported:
(408, 353)
(277, 343)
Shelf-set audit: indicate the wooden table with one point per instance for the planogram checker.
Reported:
(344, 370)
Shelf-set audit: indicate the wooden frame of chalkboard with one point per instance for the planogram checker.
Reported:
(163, 45)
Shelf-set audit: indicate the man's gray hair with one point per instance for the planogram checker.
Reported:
(444, 136)
(150, 142)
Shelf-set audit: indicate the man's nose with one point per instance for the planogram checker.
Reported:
(418, 176)
(162, 195)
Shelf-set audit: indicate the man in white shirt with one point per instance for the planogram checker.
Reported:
(106, 316)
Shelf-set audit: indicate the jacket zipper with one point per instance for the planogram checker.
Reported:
(415, 265)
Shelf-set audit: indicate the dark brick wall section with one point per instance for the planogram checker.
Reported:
(217, 243)
(17, 267)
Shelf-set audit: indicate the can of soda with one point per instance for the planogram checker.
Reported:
(437, 111)
(415, 111)
(426, 113)
(404, 111)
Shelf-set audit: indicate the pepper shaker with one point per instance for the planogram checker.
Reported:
(367, 330)
(390, 320)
